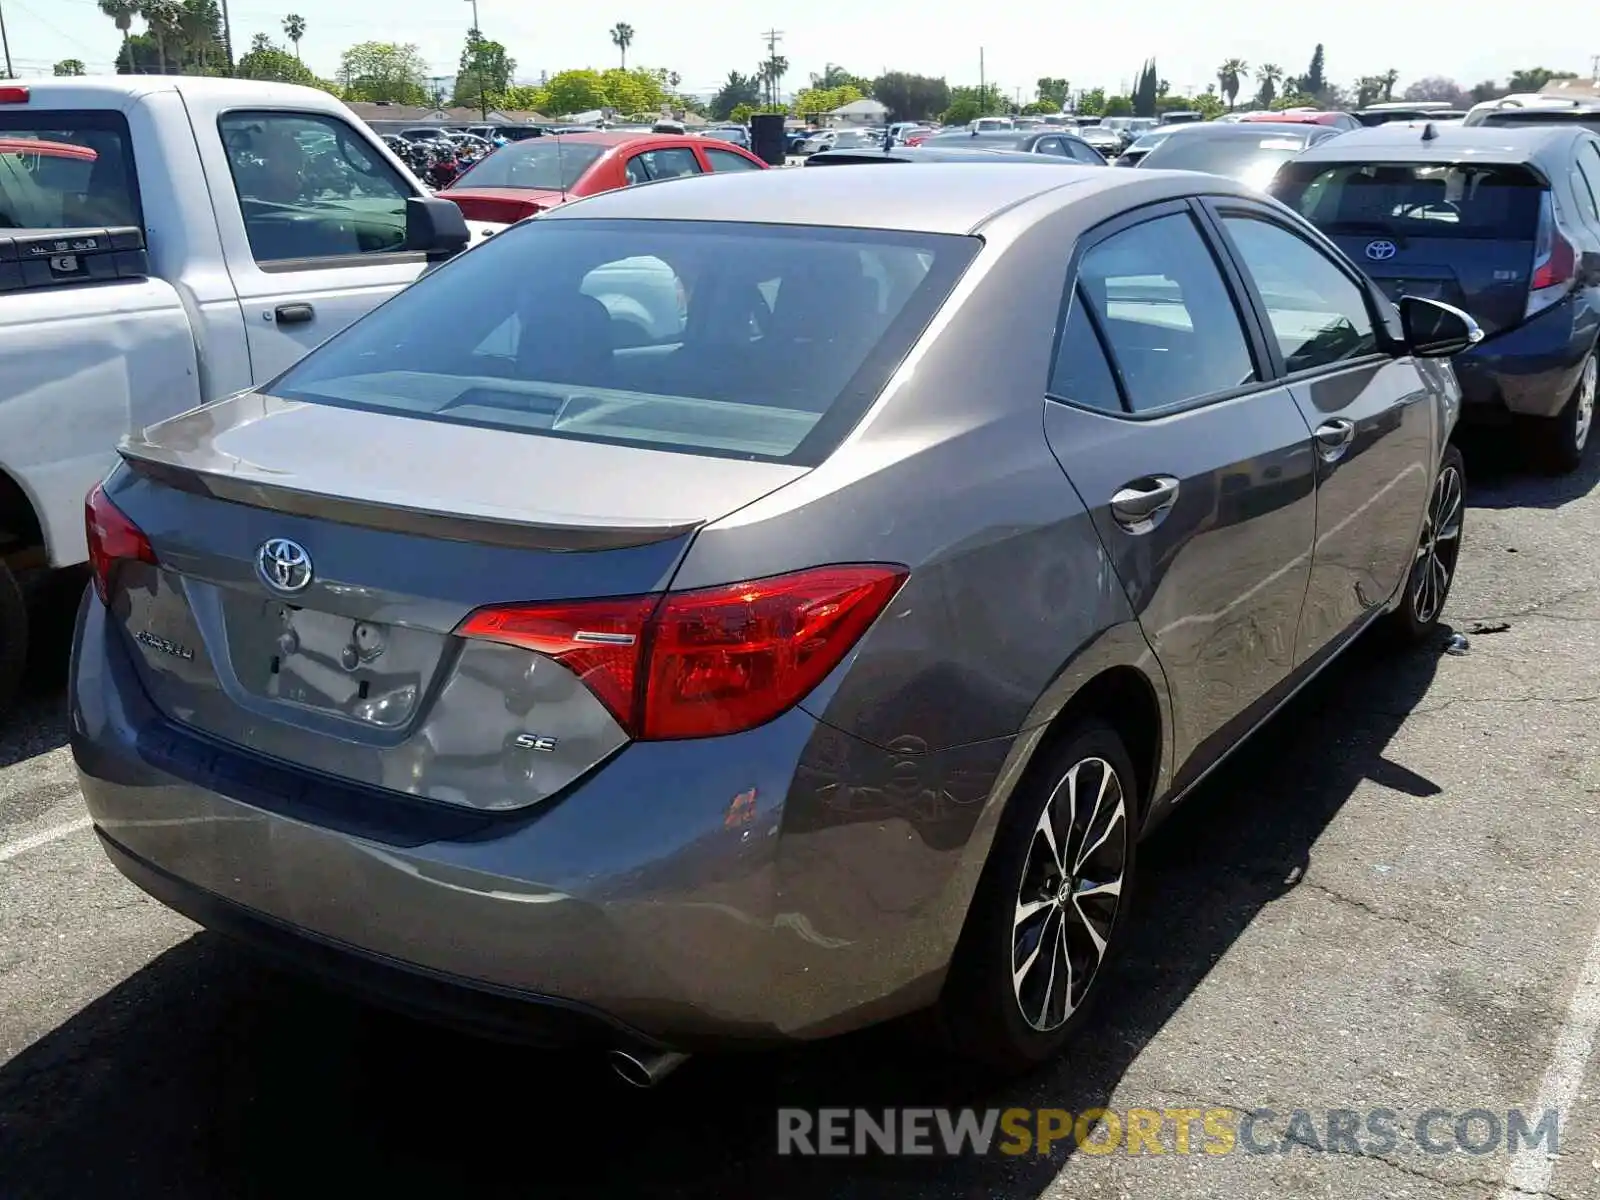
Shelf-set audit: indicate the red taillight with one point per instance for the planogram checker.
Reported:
(13, 95)
(1559, 265)
(112, 539)
(599, 641)
(708, 662)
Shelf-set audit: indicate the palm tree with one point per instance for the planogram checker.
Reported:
(1390, 78)
(161, 18)
(294, 28)
(1267, 75)
(123, 13)
(622, 38)
(195, 29)
(1228, 76)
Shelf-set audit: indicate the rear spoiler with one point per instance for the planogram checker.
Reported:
(56, 257)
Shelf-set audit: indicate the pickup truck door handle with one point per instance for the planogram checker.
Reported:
(294, 314)
(1334, 438)
(1140, 506)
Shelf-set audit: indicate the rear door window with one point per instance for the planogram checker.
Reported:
(1432, 200)
(670, 163)
(746, 341)
(67, 170)
(1167, 314)
(1082, 375)
(727, 160)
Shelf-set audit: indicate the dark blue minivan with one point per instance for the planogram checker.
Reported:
(1501, 222)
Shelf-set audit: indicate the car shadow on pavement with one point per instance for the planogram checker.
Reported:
(1499, 475)
(204, 1074)
(37, 723)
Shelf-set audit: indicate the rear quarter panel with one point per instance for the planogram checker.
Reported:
(82, 366)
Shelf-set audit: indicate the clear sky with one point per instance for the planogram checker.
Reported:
(1093, 46)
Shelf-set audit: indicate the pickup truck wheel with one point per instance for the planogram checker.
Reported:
(1559, 441)
(13, 637)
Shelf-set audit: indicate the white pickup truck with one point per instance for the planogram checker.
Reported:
(164, 242)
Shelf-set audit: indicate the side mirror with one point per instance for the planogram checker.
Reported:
(435, 226)
(1436, 330)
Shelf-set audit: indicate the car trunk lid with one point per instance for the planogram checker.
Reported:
(314, 563)
(502, 205)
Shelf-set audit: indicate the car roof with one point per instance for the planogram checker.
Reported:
(1242, 130)
(118, 91)
(1403, 141)
(941, 197)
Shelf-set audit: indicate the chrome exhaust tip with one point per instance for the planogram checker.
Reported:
(645, 1068)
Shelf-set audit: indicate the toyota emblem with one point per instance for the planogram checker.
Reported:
(1381, 250)
(284, 566)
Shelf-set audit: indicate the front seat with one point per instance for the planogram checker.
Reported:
(567, 340)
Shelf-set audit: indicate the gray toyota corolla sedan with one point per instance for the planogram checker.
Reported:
(746, 609)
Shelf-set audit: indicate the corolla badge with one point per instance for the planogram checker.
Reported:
(1380, 250)
(284, 566)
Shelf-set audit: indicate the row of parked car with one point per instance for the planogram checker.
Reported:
(576, 645)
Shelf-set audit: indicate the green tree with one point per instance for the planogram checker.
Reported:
(622, 38)
(1390, 78)
(1531, 79)
(264, 60)
(1053, 91)
(814, 102)
(1119, 106)
(1040, 108)
(569, 92)
(294, 28)
(1435, 87)
(1488, 89)
(635, 91)
(1315, 80)
(200, 31)
(1145, 90)
(484, 73)
(122, 13)
(737, 89)
(833, 75)
(161, 18)
(1092, 103)
(374, 71)
(1267, 76)
(1369, 90)
(770, 72)
(910, 97)
(1229, 75)
(70, 66)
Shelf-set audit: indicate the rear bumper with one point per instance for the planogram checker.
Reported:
(1531, 370)
(652, 898)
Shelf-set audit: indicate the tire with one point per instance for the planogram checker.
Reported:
(1559, 441)
(13, 637)
(1433, 569)
(984, 1016)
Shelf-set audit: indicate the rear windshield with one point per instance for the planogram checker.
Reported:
(1420, 199)
(1589, 120)
(1253, 158)
(761, 342)
(66, 170)
(553, 164)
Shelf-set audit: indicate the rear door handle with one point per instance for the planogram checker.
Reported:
(294, 314)
(1334, 438)
(1140, 506)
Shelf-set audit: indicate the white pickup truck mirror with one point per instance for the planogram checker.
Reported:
(435, 227)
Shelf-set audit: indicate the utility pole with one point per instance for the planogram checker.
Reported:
(983, 87)
(227, 37)
(773, 36)
(1594, 66)
(6, 42)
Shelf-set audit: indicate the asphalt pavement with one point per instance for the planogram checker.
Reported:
(1386, 902)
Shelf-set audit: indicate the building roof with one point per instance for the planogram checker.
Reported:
(865, 107)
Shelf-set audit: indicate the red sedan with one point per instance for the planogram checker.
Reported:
(531, 176)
